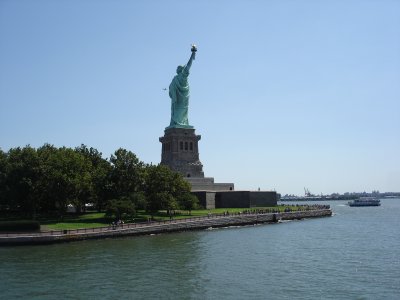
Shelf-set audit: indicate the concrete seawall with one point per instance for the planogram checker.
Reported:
(157, 227)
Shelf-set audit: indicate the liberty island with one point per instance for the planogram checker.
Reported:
(180, 154)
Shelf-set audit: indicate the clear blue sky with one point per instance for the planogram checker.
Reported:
(286, 94)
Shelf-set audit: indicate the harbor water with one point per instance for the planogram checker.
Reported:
(355, 254)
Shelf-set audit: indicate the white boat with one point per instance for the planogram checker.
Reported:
(365, 201)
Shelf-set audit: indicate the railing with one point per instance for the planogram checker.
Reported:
(150, 223)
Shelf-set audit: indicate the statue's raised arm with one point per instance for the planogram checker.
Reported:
(179, 94)
(192, 58)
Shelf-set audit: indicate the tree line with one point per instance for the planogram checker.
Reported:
(44, 181)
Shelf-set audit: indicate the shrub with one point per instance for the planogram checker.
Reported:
(18, 226)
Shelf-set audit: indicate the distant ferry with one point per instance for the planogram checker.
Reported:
(366, 201)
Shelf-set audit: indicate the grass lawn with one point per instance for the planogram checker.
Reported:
(88, 220)
(95, 219)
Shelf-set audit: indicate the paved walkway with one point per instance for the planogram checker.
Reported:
(196, 223)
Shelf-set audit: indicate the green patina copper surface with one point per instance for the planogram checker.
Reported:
(179, 93)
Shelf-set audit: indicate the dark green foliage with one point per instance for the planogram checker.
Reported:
(138, 199)
(120, 209)
(23, 180)
(46, 180)
(66, 178)
(163, 188)
(100, 170)
(188, 202)
(126, 176)
(19, 226)
(3, 179)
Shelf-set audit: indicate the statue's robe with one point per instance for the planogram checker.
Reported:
(179, 94)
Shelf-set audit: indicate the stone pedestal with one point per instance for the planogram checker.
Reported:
(180, 151)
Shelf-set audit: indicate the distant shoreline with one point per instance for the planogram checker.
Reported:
(328, 199)
(314, 199)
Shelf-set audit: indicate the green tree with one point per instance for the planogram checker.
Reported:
(48, 184)
(163, 188)
(188, 201)
(161, 201)
(120, 209)
(138, 199)
(23, 177)
(126, 176)
(100, 170)
(3, 180)
(66, 178)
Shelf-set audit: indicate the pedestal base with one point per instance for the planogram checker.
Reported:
(180, 151)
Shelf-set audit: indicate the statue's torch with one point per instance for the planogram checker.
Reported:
(194, 50)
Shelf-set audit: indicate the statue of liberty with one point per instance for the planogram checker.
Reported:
(179, 94)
